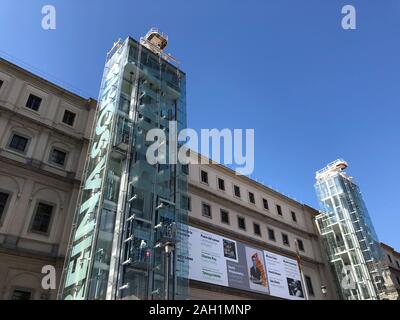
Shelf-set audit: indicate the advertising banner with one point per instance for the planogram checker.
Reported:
(222, 261)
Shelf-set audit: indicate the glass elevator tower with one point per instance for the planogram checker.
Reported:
(125, 242)
(352, 245)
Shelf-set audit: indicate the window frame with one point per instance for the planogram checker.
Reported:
(73, 120)
(206, 175)
(221, 211)
(285, 235)
(300, 245)
(34, 96)
(219, 185)
(251, 197)
(34, 213)
(294, 216)
(255, 226)
(61, 150)
(239, 218)
(203, 204)
(265, 201)
(22, 135)
(279, 210)
(270, 232)
(236, 187)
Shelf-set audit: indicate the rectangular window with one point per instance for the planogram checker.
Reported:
(265, 204)
(236, 191)
(1, 83)
(58, 157)
(204, 176)
(398, 264)
(285, 239)
(21, 295)
(221, 184)
(224, 216)
(42, 218)
(398, 280)
(251, 197)
(69, 118)
(310, 288)
(3, 203)
(390, 258)
(18, 143)
(185, 169)
(279, 209)
(33, 102)
(271, 234)
(294, 218)
(257, 229)
(206, 210)
(300, 245)
(241, 223)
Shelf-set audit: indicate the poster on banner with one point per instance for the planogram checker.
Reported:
(284, 277)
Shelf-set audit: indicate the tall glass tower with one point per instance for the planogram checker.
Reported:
(350, 239)
(125, 242)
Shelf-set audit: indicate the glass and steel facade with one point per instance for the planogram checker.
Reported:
(349, 236)
(125, 242)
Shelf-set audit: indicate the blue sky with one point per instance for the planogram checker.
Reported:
(312, 91)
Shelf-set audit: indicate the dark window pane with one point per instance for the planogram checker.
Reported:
(265, 203)
(285, 239)
(294, 218)
(221, 184)
(225, 216)
(21, 295)
(18, 142)
(69, 117)
(204, 176)
(41, 221)
(257, 229)
(251, 197)
(390, 258)
(241, 223)
(1, 83)
(3, 202)
(206, 210)
(58, 157)
(300, 244)
(271, 234)
(237, 191)
(33, 102)
(309, 285)
(279, 209)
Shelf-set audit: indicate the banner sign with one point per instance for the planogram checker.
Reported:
(226, 262)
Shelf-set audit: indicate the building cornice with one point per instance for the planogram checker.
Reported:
(30, 167)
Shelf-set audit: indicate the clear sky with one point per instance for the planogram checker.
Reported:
(312, 91)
